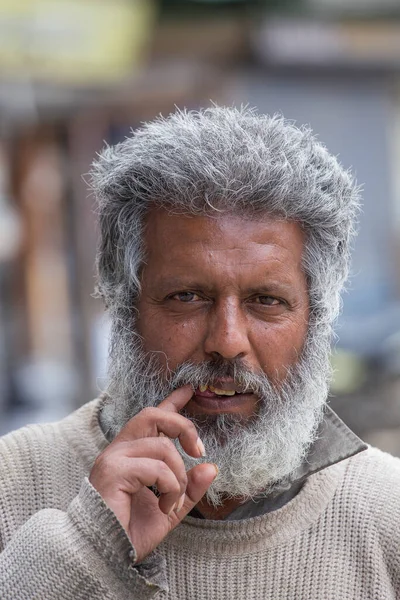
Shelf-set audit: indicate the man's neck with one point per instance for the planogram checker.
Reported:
(216, 514)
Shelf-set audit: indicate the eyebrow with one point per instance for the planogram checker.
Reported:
(272, 287)
(267, 287)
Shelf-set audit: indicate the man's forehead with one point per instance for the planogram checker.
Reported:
(164, 229)
(225, 250)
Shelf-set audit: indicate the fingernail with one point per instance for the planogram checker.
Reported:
(173, 509)
(216, 469)
(200, 447)
(180, 503)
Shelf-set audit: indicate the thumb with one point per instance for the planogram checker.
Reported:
(199, 480)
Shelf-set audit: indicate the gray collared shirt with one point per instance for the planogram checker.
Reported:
(335, 442)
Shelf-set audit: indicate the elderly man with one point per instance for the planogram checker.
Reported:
(211, 467)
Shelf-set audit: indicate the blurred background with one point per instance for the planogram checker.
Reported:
(75, 74)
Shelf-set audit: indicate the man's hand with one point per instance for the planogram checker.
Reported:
(142, 456)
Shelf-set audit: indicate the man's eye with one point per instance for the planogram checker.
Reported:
(267, 300)
(185, 296)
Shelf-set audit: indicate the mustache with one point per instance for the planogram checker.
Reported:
(209, 372)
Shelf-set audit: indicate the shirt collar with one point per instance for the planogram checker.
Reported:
(335, 442)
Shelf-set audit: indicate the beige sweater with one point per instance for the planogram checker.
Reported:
(338, 539)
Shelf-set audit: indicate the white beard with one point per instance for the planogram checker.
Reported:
(253, 456)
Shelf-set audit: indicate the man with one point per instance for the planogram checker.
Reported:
(211, 467)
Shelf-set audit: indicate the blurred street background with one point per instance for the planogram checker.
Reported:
(75, 74)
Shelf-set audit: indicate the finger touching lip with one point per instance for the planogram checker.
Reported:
(177, 399)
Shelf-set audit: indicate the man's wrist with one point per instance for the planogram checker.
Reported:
(97, 522)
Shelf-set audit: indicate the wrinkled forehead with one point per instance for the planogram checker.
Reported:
(225, 248)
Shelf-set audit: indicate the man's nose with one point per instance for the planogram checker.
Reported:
(227, 331)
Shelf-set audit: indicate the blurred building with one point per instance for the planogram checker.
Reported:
(74, 74)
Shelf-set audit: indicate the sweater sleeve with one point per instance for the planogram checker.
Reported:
(81, 554)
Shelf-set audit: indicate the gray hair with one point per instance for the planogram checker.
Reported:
(224, 160)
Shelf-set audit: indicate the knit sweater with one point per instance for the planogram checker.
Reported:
(338, 539)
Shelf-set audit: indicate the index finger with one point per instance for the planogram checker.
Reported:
(177, 399)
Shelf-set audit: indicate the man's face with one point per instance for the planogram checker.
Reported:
(224, 304)
(224, 289)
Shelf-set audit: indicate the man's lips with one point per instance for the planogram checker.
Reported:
(211, 401)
